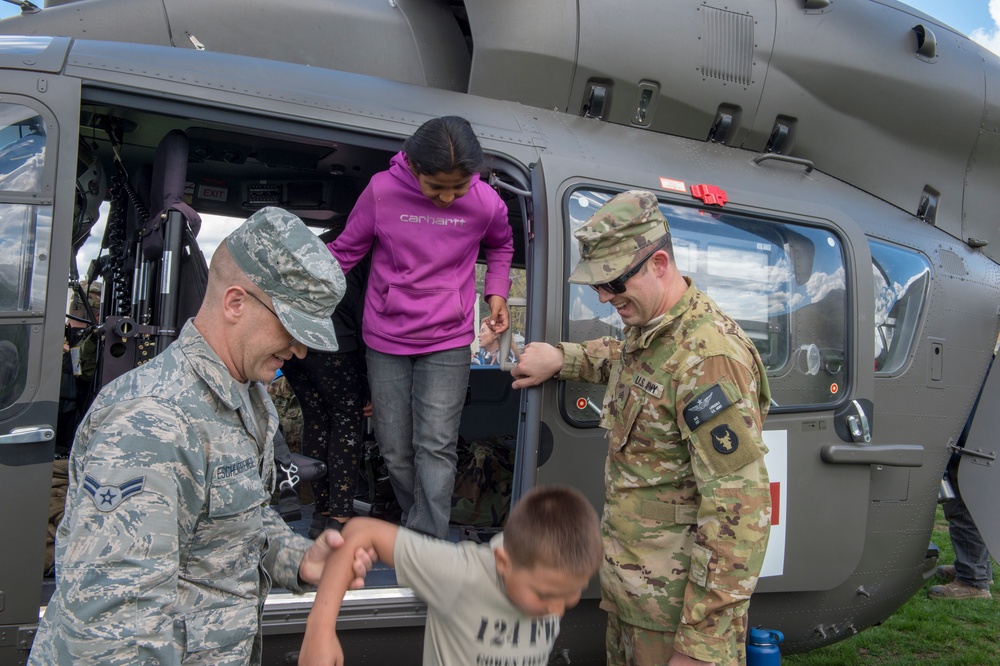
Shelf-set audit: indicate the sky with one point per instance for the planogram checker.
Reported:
(979, 19)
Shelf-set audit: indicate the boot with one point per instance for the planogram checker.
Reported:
(956, 589)
(947, 571)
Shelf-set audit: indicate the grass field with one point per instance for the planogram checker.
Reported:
(923, 631)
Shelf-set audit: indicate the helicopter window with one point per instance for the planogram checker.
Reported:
(901, 279)
(488, 358)
(22, 148)
(783, 283)
(25, 231)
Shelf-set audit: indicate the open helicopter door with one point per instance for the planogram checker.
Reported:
(39, 117)
(797, 276)
(978, 470)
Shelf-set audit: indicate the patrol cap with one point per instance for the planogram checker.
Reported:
(611, 238)
(291, 265)
(76, 306)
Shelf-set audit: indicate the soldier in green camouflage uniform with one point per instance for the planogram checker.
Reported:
(687, 509)
(168, 549)
(289, 411)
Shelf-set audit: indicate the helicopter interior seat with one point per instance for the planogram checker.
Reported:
(166, 193)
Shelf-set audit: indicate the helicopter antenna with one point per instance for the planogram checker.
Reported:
(26, 7)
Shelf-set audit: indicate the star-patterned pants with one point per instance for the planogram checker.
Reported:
(329, 389)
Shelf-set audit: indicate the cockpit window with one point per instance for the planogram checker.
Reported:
(783, 283)
(24, 228)
(25, 234)
(901, 278)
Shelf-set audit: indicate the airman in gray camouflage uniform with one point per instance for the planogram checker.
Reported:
(168, 549)
(687, 508)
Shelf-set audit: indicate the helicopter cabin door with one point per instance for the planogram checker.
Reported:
(795, 276)
(39, 116)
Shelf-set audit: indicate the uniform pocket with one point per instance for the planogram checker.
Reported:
(623, 409)
(236, 495)
(700, 557)
(228, 628)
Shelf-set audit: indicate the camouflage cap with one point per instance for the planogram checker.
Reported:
(611, 238)
(291, 265)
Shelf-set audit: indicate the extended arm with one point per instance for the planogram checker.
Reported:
(586, 362)
(320, 645)
(499, 249)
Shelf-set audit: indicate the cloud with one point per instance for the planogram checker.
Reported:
(989, 37)
(214, 229)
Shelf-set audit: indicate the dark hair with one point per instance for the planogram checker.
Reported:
(444, 144)
(554, 526)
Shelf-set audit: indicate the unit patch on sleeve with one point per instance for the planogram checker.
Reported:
(724, 439)
(107, 498)
(705, 406)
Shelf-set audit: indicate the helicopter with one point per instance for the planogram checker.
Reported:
(828, 170)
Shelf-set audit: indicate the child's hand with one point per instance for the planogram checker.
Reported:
(313, 562)
(321, 651)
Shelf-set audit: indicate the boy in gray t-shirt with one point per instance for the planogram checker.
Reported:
(495, 604)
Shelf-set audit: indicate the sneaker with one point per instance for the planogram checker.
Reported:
(947, 571)
(334, 524)
(288, 505)
(318, 524)
(956, 589)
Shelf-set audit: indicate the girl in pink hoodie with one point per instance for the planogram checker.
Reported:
(424, 221)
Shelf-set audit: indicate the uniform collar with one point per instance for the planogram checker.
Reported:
(640, 337)
(214, 373)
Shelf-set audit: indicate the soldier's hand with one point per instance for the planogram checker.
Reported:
(311, 567)
(538, 362)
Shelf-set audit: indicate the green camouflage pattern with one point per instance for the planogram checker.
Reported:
(167, 549)
(687, 512)
(484, 482)
(611, 238)
(289, 412)
(292, 265)
(57, 505)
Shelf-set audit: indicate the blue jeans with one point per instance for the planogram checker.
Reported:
(416, 409)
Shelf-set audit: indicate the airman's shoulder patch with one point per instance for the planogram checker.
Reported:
(107, 498)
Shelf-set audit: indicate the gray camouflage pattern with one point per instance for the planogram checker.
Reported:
(292, 265)
(687, 511)
(611, 238)
(176, 572)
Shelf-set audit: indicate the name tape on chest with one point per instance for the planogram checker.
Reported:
(649, 386)
(705, 406)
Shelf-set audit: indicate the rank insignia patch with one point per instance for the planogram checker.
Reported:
(724, 439)
(107, 498)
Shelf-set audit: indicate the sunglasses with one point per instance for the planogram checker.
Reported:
(617, 286)
(269, 309)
